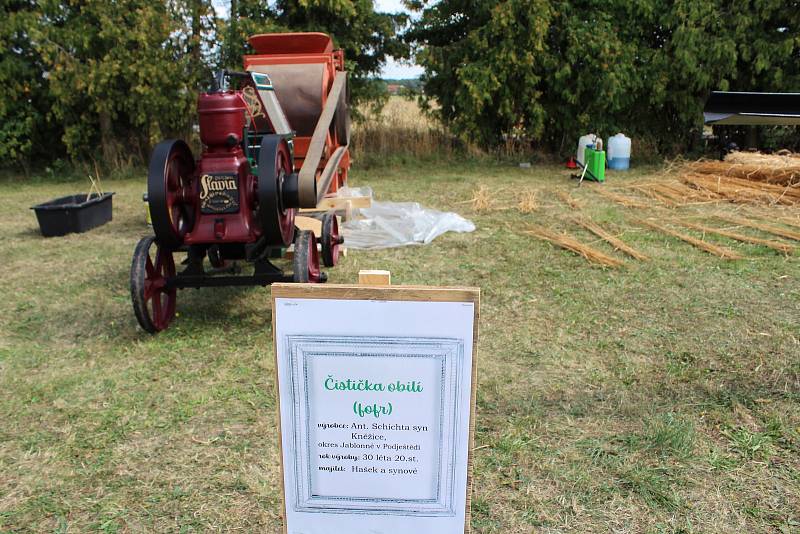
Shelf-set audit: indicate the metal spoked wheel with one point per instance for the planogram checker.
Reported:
(306, 258)
(274, 164)
(331, 240)
(171, 192)
(153, 300)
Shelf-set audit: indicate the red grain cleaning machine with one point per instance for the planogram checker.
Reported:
(274, 139)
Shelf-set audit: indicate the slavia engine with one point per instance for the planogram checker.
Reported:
(274, 139)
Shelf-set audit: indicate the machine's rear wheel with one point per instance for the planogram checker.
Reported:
(153, 301)
(331, 240)
(171, 191)
(306, 258)
(274, 165)
(215, 257)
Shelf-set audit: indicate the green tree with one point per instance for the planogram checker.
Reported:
(25, 132)
(483, 61)
(246, 18)
(367, 37)
(550, 70)
(122, 75)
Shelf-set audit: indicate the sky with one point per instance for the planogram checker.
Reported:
(392, 69)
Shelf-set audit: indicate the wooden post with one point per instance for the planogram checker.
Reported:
(370, 277)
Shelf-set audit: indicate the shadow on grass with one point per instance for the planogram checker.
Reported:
(99, 308)
(31, 232)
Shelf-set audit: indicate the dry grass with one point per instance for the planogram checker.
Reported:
(400, 129)
(779, 246)
(616, 242)
(717, 250)
(568, 242)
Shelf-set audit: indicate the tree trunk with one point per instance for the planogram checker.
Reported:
(196, 31)
(230, 60)
(107, 139)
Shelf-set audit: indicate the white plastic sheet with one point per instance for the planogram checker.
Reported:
(397, 224)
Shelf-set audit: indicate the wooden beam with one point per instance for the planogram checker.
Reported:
(309, 223)
(371, 277)
(308, 172)
(340, 203)
(329, 172)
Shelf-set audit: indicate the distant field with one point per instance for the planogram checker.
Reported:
(662, 396)
(399, 130)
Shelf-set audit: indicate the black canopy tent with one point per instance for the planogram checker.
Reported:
(724, 107)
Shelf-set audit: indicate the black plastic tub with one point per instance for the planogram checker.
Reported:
(73, 213)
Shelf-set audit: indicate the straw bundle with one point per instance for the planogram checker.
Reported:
(717, 250)
(617, 243)
(771, 169)
(623, 200)
(741, 190)
(527, 202)
(570, 243)
(782, 232)
(569, 201)
(482, 199)
(743, 177)
(784, 248)
(651, 192)
(790, 222)
(676, 193)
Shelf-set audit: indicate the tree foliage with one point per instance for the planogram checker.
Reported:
(367, 37)
(119, 74)
(550, 70)
(85, 78)
(90, 78)
(23, 108)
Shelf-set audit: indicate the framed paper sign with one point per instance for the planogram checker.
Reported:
(376, 391)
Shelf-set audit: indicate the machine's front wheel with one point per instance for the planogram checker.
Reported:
(153, 300)
(331, 240)
(306, 258)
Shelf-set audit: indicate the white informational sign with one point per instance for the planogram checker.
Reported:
(376, 400)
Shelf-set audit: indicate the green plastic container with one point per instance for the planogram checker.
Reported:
(596, 164)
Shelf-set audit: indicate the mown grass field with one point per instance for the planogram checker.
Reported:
(663, 396)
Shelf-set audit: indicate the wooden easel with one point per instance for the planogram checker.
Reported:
(375, 285)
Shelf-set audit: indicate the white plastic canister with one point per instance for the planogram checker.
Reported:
(584, 140)
(619, 152)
